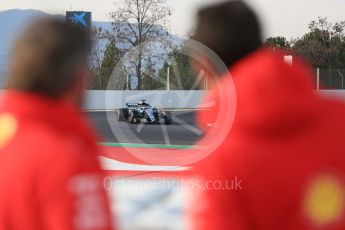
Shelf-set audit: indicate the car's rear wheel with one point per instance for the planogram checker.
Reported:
(133, 117)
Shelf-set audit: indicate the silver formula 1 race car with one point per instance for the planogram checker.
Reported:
(135, 113)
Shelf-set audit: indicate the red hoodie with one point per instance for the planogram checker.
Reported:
(282, 166)
(49, 174)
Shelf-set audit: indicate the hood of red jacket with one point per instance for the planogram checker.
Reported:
(270, 94)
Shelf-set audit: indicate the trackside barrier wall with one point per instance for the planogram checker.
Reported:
(95, 99)
(161, 99)
(111, 100)
(340, 94)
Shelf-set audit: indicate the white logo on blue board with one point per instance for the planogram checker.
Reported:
(79, 19)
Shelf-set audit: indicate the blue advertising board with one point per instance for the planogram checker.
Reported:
(81, 18)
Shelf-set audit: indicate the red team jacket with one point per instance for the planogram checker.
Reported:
(282, 166)
(49, 174)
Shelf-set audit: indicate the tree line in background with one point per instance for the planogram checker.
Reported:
(135, 22)
(323, 46)
(122, 57)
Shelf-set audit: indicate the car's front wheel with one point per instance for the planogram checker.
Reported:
(167, 117)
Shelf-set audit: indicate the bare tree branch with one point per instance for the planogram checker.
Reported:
(143, 19)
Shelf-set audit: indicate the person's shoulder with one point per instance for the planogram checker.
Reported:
(333, 106)
(45, 143)
(39, 135)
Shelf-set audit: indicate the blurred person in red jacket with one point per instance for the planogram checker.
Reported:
(50, 177)
(282, 165)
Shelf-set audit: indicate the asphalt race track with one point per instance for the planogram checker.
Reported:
(182, 131)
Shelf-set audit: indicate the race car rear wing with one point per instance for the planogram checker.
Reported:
(132, 105)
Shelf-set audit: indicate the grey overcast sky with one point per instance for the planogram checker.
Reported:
(288, 18)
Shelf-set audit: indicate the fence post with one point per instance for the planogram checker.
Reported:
(342, 79)
(318, 79)
(168, 79)
(205, 82)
